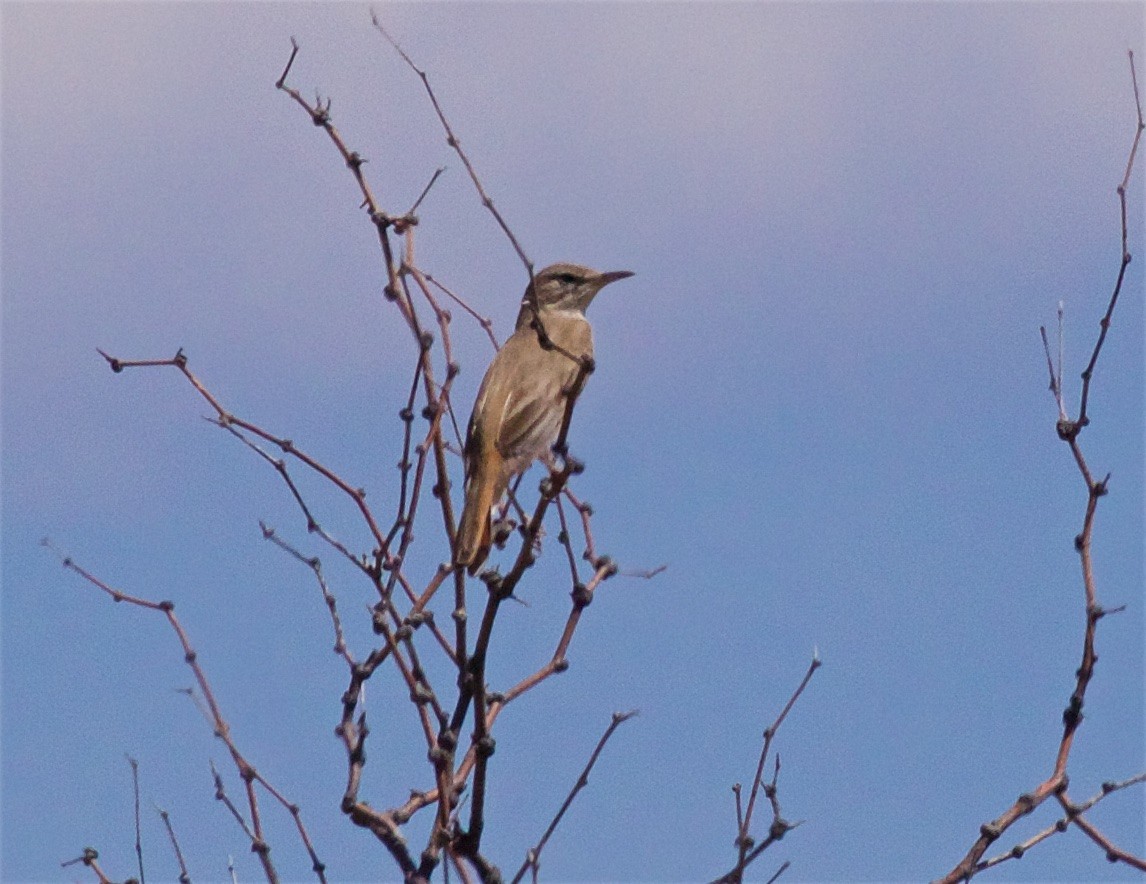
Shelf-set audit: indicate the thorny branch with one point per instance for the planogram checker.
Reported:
(1061, 824)
(89, 858)
(1068, 430)
(402, 610)
(748, 851)
(1104, 324)
(138, 834)
(471, 665)
(426, 455)
(453, 142)
(247, 772)
(533, 856)
(184, 876)
(486, 200)
(405, 605)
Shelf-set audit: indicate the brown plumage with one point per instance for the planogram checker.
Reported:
(521, 402)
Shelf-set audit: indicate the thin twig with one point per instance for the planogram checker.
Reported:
(453, 142)
(221, 796)
(1110, 850)
(747, 848)
(1055, 376)
(780, 871)
(1059, 825)
(1104, 324)
(533, 855)
(184, 877)
(249, 774)
(226, 419)
(1068, 431)
(484, 321)
(769, 735)
(437, 174)
(138, 835)
(88, 858)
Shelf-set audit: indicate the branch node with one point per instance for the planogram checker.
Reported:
(779, 828)
(485, 746)
(581, 596)
(607, 565)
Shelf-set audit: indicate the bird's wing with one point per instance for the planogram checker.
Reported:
(530, 424)
(522, 397)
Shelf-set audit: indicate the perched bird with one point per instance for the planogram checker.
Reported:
(522, 399)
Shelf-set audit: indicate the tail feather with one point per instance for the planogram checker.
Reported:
(474, 530)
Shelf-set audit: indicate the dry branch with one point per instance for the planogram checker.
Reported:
(247, 772)
(533, 856)
(403, 617)
(748, 850)
(1068, 430)
(184, 876)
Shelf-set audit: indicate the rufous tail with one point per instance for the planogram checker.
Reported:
(474, 529)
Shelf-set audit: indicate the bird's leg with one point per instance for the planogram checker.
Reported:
(561, 461)
(511, 500)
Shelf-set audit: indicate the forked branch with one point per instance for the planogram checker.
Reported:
(1068, 430)
(748, 850)
(247, 772)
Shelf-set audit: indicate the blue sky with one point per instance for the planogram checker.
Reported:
(821, 402)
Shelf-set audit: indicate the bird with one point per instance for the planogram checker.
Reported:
(521, 403)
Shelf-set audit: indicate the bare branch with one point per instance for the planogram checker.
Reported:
(1060, 825)
(88, 858)
(769, 735)
(453, 142)
(1068, 431)
(1104, 324)
(184, 877)
(780, 871)
(138, 835)
(1112, 852)
(247, 771)
(533, 855)
(226, 419)
(747, 848)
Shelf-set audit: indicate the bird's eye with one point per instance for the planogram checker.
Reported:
(567, 278)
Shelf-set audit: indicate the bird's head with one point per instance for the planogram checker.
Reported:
(566, 287)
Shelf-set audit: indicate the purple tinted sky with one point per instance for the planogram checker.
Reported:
(821, 401)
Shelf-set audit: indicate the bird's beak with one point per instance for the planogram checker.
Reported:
(606, 278)
(598, 282)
